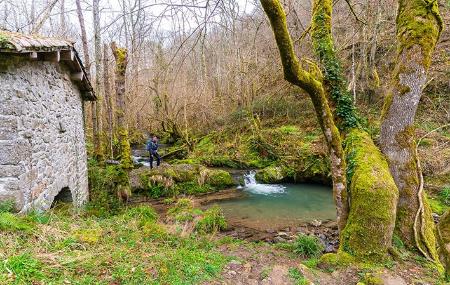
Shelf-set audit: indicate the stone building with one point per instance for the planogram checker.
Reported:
(42, 144)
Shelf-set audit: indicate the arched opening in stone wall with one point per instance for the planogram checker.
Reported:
(64, 196)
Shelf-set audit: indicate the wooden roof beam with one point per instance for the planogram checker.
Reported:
(68, 55)
(54, 56)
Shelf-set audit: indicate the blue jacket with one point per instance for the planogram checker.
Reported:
(152, 146)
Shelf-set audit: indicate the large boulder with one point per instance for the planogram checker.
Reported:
(270, 174)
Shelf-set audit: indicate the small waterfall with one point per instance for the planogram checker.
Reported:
(252, 186)
(249, 178)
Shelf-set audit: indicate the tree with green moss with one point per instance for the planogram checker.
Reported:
(121, 57)
(443, 233)
(365, 192)
(418, 28)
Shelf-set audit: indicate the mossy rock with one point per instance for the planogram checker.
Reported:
(271, 174)
(340, 259)
(373, 279)
(218, 178)
(185, 172)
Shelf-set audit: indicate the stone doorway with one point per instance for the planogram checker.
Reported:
(64, 196)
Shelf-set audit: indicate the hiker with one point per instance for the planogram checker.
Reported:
(152, 147)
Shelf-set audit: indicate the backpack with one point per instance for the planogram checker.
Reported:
(151, 146)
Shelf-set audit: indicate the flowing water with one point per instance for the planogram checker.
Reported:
(278, 205)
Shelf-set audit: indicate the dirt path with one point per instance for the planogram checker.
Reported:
(263, 264)
(256, 264)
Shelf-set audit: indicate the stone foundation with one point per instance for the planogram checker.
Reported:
(42, 142)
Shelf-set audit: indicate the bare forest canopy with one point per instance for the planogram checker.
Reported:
(193, 63)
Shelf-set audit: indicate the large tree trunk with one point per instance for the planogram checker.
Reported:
(372, 201)
(418, 30)
(121, 57)
(312, 84)
(367, 234)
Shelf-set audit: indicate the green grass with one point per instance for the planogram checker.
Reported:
(307, 246)
(128, 248)
(7, 206)
(213, 220)
(297, 276)
(12, 223)
(444, 195)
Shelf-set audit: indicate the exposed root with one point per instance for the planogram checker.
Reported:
(420, 213)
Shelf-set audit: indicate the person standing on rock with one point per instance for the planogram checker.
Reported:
(152, 147)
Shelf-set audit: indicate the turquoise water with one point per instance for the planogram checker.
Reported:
(274, 206)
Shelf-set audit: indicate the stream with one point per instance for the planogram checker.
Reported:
(267, 206)
(277, 205)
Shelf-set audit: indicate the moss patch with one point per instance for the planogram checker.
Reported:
(373, 196)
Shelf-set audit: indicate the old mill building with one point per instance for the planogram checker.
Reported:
(42, 144)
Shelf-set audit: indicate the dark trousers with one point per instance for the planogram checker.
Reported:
(158, 158)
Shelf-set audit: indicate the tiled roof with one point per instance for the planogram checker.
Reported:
(36, 47)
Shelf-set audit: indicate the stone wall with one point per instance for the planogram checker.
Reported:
(42, 145)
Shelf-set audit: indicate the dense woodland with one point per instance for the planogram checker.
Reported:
(353, 94)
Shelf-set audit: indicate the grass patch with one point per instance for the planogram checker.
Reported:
(307, 246)
(213, 220)
(297, 276)
(444, 195)
(10, 222)
(130, 248)
(7, 206)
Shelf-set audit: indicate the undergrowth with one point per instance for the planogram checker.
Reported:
(79, 248)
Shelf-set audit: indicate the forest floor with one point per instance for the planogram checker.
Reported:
(136, 246)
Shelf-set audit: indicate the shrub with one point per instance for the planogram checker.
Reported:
(213, 220)
(103, 188)
(160, 186)
(307, 246)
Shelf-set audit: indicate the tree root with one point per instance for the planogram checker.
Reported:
(421, 214)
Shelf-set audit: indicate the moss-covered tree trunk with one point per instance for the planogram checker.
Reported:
(372, 202)
(121, 57)
(366, 233)
(312, 84)
(123, 186)
(418, 30)
(444, 241)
